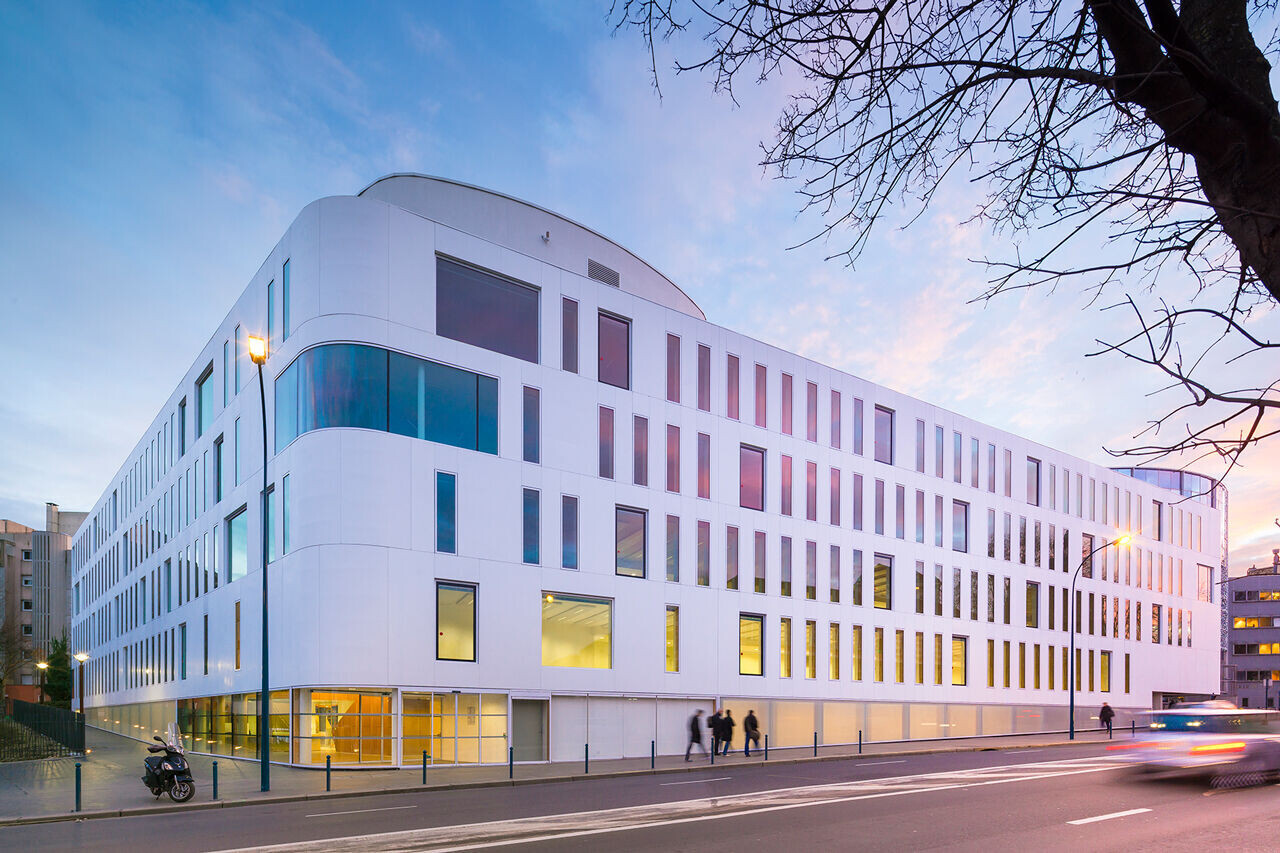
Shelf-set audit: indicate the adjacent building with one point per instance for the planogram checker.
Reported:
(1253, 638)
(522, 493)
(36, 603)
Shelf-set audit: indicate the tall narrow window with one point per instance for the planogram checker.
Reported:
(284, 301)
(879, 508)
(237, 546)
(673, 458)
(920, 448)
(704, 377)
(568, 335)
(704, 465)
(857, 501)
(455, 621)
(991, 468)
(788, 405)
(855, 578)
(182, 427)
(959, 526)
(937, 521)
(226, 375)
(704, 553)
(606, 443)
(446, 513)
(1033, 481)
(855, 652)
(673, 638)
(834, 576)
(629, 526)
(731, 557)
(833, 651)
(883, 582)
(532, 425)
(835, 497)
(530, 526)
(568, 532)
(919, 657)
(237, 634)
(857, 426)
(640, 451)
(835, 419)
(673, 368)
(939, 451)
(236, 357)
(785, 502)
(217, 469)
(750, 477)
(271, 317)
(182, 651)
(762, 409)
(760, 561)
(614, 345)
(811, 570)
(884, 435)
(673, 548)
(900, 511)
(284, 515)
(810, 649)
(878, 653)
(811, 411)
(785, 566)
(733, 375)
(204, 401)
(750, 644)
(1033, 604)
(1008, 474)
(958, 460)
(811, 491)
(919, 586)
(919, 515)
(235, 453)
(784, 646)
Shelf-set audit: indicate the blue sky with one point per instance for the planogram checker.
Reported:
(153, 153)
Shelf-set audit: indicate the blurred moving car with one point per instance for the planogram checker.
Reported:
(1214, 740)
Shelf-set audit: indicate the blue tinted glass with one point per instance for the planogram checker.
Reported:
(342, 385)
(569, 532)
(530, 526)
(479, 308)
(531, 425)
(486, 414)
(286, 406)
(238, 546)
(446, 513)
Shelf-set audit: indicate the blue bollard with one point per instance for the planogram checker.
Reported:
(815, 744)
(77, 786)
(586, 758)
(215, 780)
(511, 762)
(328, 772)
(424, 767)
(766, 747)
(859, 741)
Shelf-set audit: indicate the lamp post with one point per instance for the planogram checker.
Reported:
(1071, 629)
(258, 353)
(81, 657)
(42, 666)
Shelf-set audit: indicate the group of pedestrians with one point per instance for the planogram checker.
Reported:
(722, 726)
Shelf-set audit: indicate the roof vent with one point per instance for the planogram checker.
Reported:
(602, 274)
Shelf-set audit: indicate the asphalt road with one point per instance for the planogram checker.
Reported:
(998, 800)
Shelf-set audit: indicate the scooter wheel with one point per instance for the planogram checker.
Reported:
(180, 792)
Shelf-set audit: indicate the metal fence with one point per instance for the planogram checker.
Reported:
(39, 731)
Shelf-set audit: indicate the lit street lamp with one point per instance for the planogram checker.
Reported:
(258, 353)
(42, 666)
(1072, 615)
(81, 657)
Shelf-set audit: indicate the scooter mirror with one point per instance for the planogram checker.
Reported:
(157, 737)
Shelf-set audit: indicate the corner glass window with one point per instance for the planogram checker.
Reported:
(577, 631)
(614, 343)
(630, 542)
(455, 622)
(485, 310)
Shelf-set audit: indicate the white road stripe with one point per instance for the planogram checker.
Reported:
(873, 763)
(696, 781)
(1111, 816)
(362, 811)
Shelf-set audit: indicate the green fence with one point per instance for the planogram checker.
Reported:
(39, 731)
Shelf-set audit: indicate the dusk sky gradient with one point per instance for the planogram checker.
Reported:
(154, 153)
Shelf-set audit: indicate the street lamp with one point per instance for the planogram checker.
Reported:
(42, 666)
(1071, 629)
(258, 353)
(81, 657)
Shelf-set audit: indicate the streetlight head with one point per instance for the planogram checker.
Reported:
(81, 656)
(42, 665)
(1124, 540)
(257, 349)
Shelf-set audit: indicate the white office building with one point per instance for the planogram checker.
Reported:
(522, 493)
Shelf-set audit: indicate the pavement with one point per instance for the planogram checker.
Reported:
(43, 791)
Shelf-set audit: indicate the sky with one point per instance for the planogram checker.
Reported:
(153, 153)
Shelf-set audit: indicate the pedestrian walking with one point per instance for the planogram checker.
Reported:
(695, 734)
(1106, 715)
(726, 730)
(750, 732)
(716, 723)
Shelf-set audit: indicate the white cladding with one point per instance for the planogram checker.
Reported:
(352, 602)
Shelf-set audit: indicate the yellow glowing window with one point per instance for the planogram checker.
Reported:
(959, 661)
(784, 636)
(577, 631)
(750, 639)
(673, 638)
(455, 622)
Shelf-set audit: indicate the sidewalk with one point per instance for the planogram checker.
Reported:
(36, 791)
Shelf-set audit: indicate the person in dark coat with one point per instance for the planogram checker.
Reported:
(726, 730)
(750, 732)
(695, 734)
(716, 724)
(1106, 715)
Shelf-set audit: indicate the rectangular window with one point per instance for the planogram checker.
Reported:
(577, 631)
(446, 513)
(751, 477)
(271, 317)
(784, 646)
(1008, 473)
(237, 634)
(835, 419)
(284, 515)
(673, 638)
(731, 557)
(486, 310)
(750, 644)
(704, 553)
(1008, 604)
(785, 502)
(568, 532)
(811, 570)
(568, 335)
(811, 491)
(855, 652)
(900, 512)
(532, 425)
(938, 513)
(239, 339)
(919, 586)
(235, 453)
(284, 301)
(883, 582)
(704, 378)
(182, 651)
(919, 515)
(835, 573)
(530, 526)
(919, 657)
(1105, 673)
(879, 508)
(857, 501)
(920, 448)
(834, 514)
(900, 656)
(833, 651)
(878, 652)
(205, 646)
(811, 411)
(673, 548)
(226, 375)
(217, 469)
(958, 454)
(788, 405)
(614, 347)
(857, 426)
(1033, 481)
(939, 452)
(704, 465)
(1008, 536)
(673, 458)
(640, 451)
(810, 649)
(237, 545)
(455, 621)
(761, 395)
(204, 401)
(760, 556)
(937, 658)
(956, 592)
(785, 573)
(937, 590)
(606, 443)
(732, 377)
(673, 368)
(629, 525)
(959, 526)
(884, 435)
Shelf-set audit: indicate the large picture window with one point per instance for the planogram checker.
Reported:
(485, 310)
(455, 622)
(614, 348)
(750, 644)
(577, 631)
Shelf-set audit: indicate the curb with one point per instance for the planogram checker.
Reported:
(142, 811)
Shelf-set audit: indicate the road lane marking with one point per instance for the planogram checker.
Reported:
(516, 831)
(1082, 821)
(1024, 751)
(873, 763)
(362, 811)
(696, 781)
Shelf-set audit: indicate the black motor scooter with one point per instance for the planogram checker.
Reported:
(169, 772)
